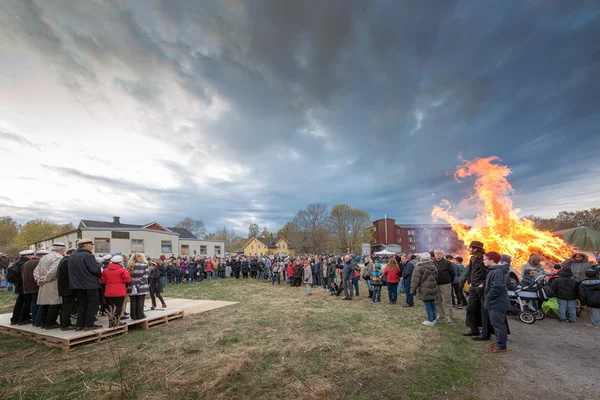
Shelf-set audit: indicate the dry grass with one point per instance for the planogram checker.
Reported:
(277, 343)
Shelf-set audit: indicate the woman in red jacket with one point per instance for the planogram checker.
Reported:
(290, 272)
(393, 274)
(115, 277)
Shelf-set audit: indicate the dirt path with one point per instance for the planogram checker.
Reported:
(547, 360)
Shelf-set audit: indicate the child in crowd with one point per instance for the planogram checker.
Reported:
(376, 283)
(589, 295)
(565, 290)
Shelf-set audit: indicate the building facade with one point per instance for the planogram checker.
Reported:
(413, 238)
(269, 246)
(152, 239)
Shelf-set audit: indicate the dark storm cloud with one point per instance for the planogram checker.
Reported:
(366, 103)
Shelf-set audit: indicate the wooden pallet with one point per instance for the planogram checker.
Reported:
(70, 339)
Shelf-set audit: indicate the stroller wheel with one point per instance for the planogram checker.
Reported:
(527, 317)
(539, 314)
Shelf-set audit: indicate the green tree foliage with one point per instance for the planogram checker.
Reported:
(36, 230)
(9, 229)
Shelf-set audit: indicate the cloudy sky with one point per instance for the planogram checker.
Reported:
(244, 111)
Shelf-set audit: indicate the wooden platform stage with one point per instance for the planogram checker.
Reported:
(66, 340)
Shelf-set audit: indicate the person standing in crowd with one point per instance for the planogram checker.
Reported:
(533, 264)
(347, 277)
(253, 268)
(308, 277)
(375, 281)
(366, 274)
(115, 278)
(330, 273)
(276, 273)
(22, 309)
(317, 272)
(578, 264)
(424, 285)
(496, 300)
(138, 289)
(155, 286)
(48, 298)
(64, 291)
(236, 267)
(356, 278)
(245, 268)
(589, 295)
(84, 280)
(4, 262)
(208, 267)
(458, 296)
(31, 287)
(446, 275)
(392, 273)
(407, 271)
(565, 289)
(475, 275)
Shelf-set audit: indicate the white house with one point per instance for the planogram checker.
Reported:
(152, 239)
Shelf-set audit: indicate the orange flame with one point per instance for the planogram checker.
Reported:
(497, 224)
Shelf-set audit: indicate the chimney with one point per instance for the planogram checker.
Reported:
(116, 220)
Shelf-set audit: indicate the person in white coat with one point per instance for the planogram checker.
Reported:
(45, 276)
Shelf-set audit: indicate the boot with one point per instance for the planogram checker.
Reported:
(140, 307)
(370, 294)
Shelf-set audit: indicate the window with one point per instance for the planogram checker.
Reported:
(412, 247)
(185, 249)
(374, 229)
(446, 239)
(251, 247)
(120, 235)
(202, 250)
(137, 245)
(399, 240)
(217, 250)
(397, 231)
(283, 246)
(411, 232)
(429, 239)
(79, 235)
(412, 239)
(102, 245)
(445, 232)
(258, 246)
(166, 246)
(70, 244)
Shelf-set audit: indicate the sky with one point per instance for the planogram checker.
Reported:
(245, 111)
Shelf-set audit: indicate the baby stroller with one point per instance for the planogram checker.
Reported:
(526, 302)
(335, 289)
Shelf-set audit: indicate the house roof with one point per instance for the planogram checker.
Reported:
(183, 233)
(270, 242)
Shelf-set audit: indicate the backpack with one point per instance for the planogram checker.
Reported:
(13, 274)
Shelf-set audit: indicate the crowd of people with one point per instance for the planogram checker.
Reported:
(54, 286)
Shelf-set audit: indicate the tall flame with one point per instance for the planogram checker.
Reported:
(497, 224)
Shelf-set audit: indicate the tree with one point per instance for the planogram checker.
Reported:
(311, 223)
(226, 235)
(349, 227)
(253, 231)
(265, 233)
(9, 230)
(195, 226)
(68, 227)
(36, 230)
(568, 219)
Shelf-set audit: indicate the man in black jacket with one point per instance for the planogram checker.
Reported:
(84, 281)
(407, 271)
(476, 274)
(21, 311)
(446, 275)
(64, 290)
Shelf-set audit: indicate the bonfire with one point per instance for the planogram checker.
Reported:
(497, 224)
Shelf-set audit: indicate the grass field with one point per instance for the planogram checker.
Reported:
(277, 343)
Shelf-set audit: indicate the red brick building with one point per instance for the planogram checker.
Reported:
(413, 238)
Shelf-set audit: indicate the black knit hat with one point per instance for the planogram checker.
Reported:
(591, 273)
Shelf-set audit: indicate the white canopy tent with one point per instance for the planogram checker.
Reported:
(384, 252)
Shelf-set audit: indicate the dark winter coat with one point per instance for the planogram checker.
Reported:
(331, 270)
(495, 292)
(476, 271)
(84, 271)
(236, 266)
(348, 271)
(565, 287)
(62, 277)
(589, 292)
(245, 267)
(298, 270)
(154, 280)
(446, 273)
(408, 270)
(19, 281)
(30, 286)
(423, 283)
(3, 262)
(253, 266)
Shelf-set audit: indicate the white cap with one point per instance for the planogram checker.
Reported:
(107, 257)
(58, 244)
(27, 253)
(41, 252)
(117, 259)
